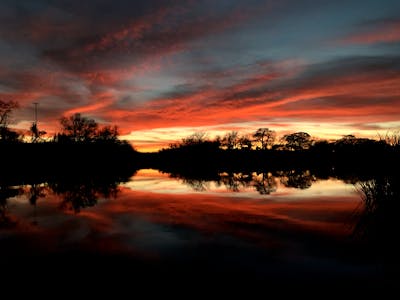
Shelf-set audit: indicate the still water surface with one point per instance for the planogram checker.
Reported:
(256, 226)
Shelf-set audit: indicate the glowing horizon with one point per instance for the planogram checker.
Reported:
(162, 70)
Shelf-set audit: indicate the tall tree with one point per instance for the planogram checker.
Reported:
(78, 128)
(36, 133)
(6, 109)
(264, 137)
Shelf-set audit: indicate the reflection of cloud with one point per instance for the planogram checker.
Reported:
(153, 223)
(326, 215)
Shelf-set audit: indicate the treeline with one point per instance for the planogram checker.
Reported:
(266, 139)
(82, 144)
(197, 154)
(73, 129)
(82, 147)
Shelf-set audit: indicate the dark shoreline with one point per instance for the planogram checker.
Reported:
(41, 162)
(82, 172)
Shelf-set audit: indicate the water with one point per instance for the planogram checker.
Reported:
(243, 227)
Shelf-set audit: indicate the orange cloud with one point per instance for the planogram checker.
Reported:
(103, 100)
(120, 225)
(364, 93)
(343, 95)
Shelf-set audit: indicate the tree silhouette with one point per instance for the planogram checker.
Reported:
(6, 109)
(108, 134)
(297, 140)
(230, 140)
(265, 137)
(391, 139)
(36, 133)
(244, 142)
(194, 139)
(78, 128)
(7, 135)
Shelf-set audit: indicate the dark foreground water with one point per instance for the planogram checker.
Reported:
(251, 231)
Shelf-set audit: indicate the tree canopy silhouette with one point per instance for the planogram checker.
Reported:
(77, 128)
(6, 109)
(194, 139)
(265, 137)
(230, 140)
(36, 133)
(297, 141)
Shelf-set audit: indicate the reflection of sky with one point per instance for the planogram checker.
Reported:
(157, 216)
(156, 182)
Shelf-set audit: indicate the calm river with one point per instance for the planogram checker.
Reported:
(256, 227)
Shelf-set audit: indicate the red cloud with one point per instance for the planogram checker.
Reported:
(365, 93)
(108, 230)
(371, 94)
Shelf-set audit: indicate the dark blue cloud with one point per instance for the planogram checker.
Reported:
(68, 54)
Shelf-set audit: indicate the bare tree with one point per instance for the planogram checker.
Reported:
(78, 128)
(391, 138)
(194, 139)
(6, 109)
(265, 137)
(230, 140)
(36, 133)
(108, 134)
(244, 142)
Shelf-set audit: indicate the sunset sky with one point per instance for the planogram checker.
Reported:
(161, 70)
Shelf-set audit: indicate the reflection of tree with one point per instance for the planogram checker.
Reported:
(198, 185)
(83, 193)
(381, 199)
(378, 219)
(297, 179)
(264, 183)
(235, 181)
(5, 193)
(36, 191)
